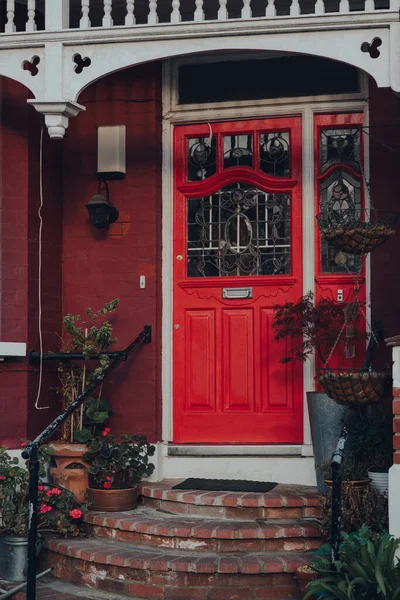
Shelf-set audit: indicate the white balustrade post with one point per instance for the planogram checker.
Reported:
(107, 19)
(319, 7)
(152, 18)
(369, 6)
(130, 13)
(222, 11)
(199, 12)
(344, 6)
(31, 23)
(270, 10)
(175, 14)
(10, 25)
(246, 10)
(394, 4)
(56, 14)
(84, 23)
(295, 8)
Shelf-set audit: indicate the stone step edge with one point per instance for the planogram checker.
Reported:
(52, 588)
(229, 499)
(137, 557)
(206, 528)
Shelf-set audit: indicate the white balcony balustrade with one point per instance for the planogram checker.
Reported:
(52, 15)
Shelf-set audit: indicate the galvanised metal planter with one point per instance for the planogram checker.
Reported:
(326, 420)
(14, 557)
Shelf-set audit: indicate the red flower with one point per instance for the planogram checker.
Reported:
(41, 488)
(45, 508)
(23, 444)
(75, 513)
(1, 477)
(108, 478)
(107, 485)
(55, 491)
(106, 432)
(49, 493)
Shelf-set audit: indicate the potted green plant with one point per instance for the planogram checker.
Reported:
(115, 469)
(367, 568)
(371, 437)
(354, 472)
(57, 512)
(312, 329)
(89, 335)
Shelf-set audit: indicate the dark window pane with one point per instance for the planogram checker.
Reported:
(202, 158)
(283, 77)
(340, 146)
(238, 150)
(275, 154)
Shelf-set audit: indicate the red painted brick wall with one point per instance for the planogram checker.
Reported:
(19, 157)
(385, 193)
(98, 267)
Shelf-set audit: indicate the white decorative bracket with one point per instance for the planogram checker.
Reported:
(57, 115)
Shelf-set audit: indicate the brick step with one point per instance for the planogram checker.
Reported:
(153, 528)
(283, 502)
(167, 574)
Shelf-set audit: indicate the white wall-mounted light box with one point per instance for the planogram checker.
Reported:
(111, 152)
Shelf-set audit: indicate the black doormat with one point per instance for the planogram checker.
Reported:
(225, 485)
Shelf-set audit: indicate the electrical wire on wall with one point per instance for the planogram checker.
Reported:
(40, 275)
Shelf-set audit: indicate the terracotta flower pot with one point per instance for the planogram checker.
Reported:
(360, 484)
(70, 471)
(113, 500)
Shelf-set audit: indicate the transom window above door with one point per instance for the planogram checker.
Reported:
(265, 151)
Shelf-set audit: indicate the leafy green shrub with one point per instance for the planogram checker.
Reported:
(57, 508)
(366, 569)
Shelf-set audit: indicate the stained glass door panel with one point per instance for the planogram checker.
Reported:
(237, 253)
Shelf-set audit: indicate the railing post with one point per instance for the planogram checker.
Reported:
(57, 15)
(32, 523)
(337, 459)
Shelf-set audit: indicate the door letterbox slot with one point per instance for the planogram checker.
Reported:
(237, 293)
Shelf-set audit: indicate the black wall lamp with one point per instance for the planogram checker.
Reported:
(101, 211)
(111, 166)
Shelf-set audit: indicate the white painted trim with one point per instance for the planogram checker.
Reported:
(167, 264)
(12, 349)
(239, 450)
(216, 112)
(296, 470)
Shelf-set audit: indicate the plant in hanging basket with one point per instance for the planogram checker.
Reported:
(355, 386)
(357, 232)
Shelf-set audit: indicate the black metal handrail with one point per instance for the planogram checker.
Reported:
(30, 452)
(337, 459)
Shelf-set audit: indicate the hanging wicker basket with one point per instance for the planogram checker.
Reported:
(357, 233)
(353, 387)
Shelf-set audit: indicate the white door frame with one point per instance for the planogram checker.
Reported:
(174, 114)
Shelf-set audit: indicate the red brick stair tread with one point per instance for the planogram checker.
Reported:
(281, 496)
(143, 558)
(151, 522)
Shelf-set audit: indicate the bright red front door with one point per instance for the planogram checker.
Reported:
(237, 253)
